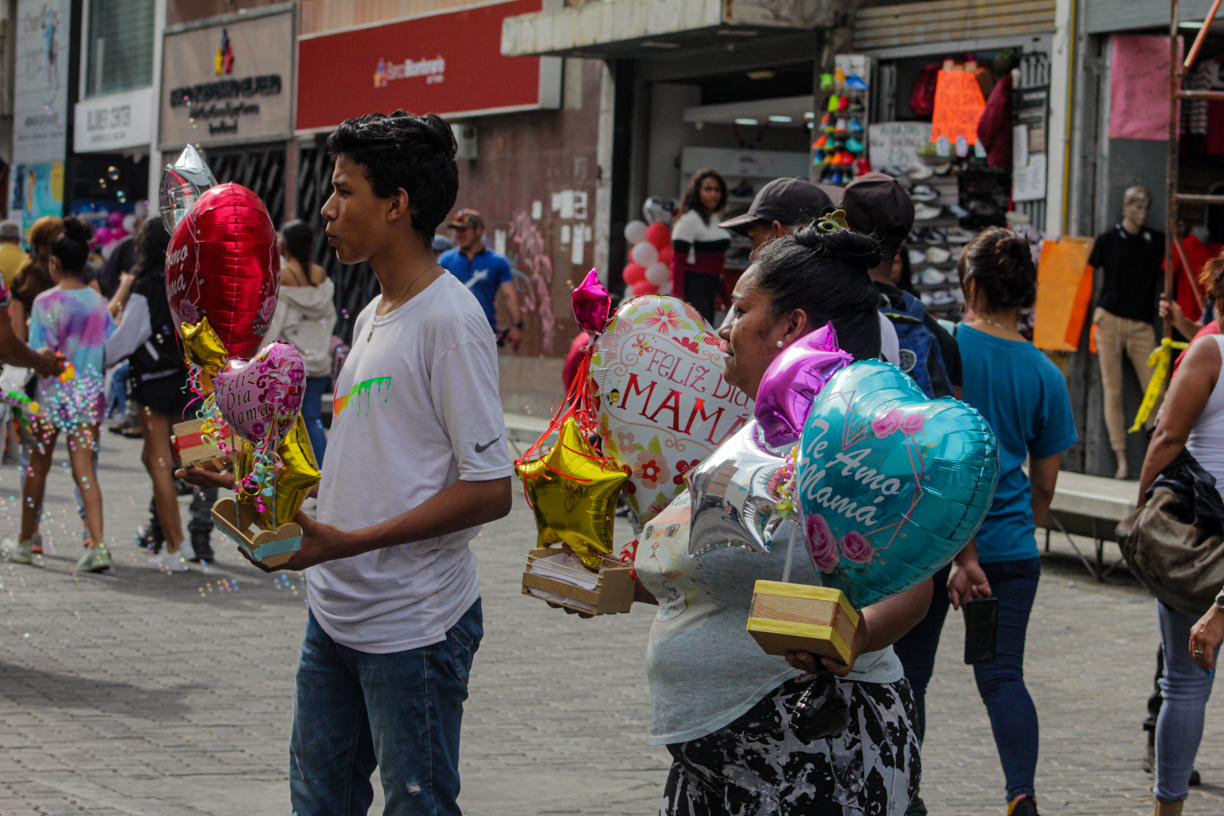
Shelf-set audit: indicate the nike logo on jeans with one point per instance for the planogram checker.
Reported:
(483, 448)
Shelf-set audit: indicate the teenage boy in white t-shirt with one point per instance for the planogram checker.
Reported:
(416, 462)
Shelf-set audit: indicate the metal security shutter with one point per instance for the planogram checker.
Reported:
(950, 21)
(1127, 15)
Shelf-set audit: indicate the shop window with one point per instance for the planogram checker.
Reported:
(120, 46)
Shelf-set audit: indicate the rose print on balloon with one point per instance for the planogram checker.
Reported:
(821, 544)
(856, 548)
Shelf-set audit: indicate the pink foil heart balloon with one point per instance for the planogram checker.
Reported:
(793, 380)
(260, 398)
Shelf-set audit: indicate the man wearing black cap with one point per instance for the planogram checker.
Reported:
(877, 205)
(778, 207)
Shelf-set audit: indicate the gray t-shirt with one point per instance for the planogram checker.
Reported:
(705, 670)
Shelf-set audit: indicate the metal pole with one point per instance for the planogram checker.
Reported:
(1202, 35)
(1171, 168)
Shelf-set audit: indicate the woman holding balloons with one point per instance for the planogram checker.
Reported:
(699, 245)
(725, 709)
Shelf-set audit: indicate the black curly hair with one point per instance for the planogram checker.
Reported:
(399, 150)
(151, 246)
(825, 275)
(72, 247)
(1001, 266)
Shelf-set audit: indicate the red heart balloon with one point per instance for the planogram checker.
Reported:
(222, 263)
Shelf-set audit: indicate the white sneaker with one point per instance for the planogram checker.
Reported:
(932, 276)
(19, 552)
(922, 192)
(924, 212)
(186, 550)
(937, 255)
(169, 562)
(916, 257)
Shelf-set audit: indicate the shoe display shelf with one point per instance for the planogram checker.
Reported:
(934, 277)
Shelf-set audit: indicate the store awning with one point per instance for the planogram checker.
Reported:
(642, 28)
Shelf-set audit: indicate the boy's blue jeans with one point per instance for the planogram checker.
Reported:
(398, 712)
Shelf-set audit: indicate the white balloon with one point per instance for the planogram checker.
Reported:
(129, 222)
(665, 288)
(635, 232)
(658, 273)
(644, 254)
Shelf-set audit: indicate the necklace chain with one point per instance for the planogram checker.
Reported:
(395, 305)
(996, 324)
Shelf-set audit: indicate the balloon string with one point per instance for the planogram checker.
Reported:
(576, 404)
(628, 555)
(790, 553)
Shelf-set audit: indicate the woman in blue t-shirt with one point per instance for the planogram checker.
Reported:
(1023, 396)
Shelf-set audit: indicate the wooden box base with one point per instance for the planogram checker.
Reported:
(800, 618)
(190, 450)
(613, 590)
(272, 548)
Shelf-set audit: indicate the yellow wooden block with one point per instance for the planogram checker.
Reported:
(801, 618)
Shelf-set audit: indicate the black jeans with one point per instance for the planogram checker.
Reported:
(701, 290)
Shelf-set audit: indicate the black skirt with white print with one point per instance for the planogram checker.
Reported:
(757, 766)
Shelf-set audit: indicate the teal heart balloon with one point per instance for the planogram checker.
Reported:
(891, 485)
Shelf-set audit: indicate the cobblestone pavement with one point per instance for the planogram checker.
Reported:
(137, 692)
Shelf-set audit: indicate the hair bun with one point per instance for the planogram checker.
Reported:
(77, 230)
(843, 245)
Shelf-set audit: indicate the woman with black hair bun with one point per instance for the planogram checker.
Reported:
(72, 319)
(726, 711)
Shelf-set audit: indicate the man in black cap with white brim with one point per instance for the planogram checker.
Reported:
(780, 206)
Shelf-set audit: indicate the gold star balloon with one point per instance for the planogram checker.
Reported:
(573, 494)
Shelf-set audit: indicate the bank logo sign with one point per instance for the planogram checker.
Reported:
(434, 70)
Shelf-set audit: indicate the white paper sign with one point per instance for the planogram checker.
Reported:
(895, 143)
(1029, 182)
(1020, 147)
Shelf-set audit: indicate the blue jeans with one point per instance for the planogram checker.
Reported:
(312, 414)
(1186, 688)
(116, 400)
(1013, 717)
(399, 712)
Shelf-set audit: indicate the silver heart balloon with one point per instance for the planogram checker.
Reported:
(181, 185)
(735, 496)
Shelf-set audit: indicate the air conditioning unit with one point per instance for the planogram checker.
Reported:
(465, 138)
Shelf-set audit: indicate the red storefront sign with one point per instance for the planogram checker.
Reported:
(449, 63)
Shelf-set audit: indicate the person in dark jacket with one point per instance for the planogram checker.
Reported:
(158, 384)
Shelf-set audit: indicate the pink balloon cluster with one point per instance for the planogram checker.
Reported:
(649, 269)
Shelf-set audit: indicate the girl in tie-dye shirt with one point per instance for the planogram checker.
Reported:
(73, 320)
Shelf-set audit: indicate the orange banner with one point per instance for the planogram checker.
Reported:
(958, 106)
(1064, 293)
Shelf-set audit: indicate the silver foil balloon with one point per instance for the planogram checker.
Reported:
(181, 185)
(658, 210)
(734, 495)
